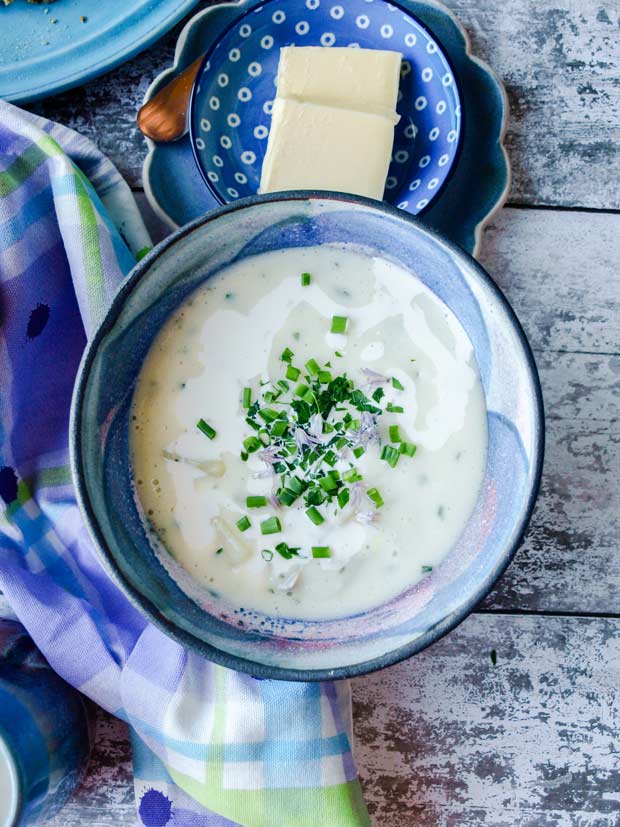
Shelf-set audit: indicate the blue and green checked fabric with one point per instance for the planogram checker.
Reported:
(212, 748)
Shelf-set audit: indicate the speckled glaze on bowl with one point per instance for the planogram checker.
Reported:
(235, 636)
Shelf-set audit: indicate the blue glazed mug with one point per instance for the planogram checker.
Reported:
(45, 734)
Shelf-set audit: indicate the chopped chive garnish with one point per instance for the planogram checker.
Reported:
(395, 434)
(394, 408)
(244, 456)
(253, 424)
(357, 452)
(375, 496)
(267, 555)
(219, 550)
(319, 552)
(270, 526)
(328, 483)
(206, 429)
(251, 444)
(247, 397)
(287, 355)
(352, 475)
(324, 377)
(343, 497)
(338, 353)
(301, 389)
(341, 442)
(315, 515)
(243, 523)
(279, 428)
(268, 414)
(426, 569)
(330, 458)
(256, 502)
(287, 551)
(396, 384)
(378, 395)
(292, 373)
(390, 455)
(408, 448)
(305, 279)
(339, 324)
(312, 366)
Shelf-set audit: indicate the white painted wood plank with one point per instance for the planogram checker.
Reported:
(449, 740)
(446, 739)
(560, 60)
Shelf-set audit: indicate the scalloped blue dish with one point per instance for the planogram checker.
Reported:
(280, 647)
(480, 178)
(230, 111)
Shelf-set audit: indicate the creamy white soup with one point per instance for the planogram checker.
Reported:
(309, 432)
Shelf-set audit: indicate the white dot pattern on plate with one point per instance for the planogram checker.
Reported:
(233, 117)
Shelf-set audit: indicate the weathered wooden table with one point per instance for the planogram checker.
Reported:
(448, 739)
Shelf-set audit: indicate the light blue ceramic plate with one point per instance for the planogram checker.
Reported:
(479, 180)
(206, 622)
(39, 57)
(232, 98)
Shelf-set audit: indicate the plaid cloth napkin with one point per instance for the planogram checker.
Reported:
(211, 747)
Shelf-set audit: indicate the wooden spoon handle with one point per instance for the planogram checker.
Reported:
(164, 117)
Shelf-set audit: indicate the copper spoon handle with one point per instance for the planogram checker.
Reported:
(164, 117)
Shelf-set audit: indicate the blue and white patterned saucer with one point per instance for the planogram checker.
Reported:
(231, 105)
(480, 177)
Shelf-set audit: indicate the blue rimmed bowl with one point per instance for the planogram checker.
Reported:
(230, 111)
(235, 636)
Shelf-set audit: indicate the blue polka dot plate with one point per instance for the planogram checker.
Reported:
(454, 179)
(233, 95)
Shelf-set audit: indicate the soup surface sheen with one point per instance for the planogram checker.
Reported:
(402, 349)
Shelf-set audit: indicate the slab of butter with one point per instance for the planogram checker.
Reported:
(362, 79)
(332, 124)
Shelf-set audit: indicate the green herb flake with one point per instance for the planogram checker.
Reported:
(243, 523)
(390, 455)
(256, 502)
(292, 373)
(408, 448)
(270, 526)
(395, 434)
(306, 278)
(339, 324)
(286, 355)
(206, 429)
(427, 569)
(247, 397)
(396, 384)
(321, 552)
(374, 495)
(315, 515)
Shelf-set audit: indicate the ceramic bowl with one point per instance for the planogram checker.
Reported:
(230, 111)
(236, 636)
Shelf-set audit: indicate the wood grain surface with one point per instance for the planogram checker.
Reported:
(447, 739)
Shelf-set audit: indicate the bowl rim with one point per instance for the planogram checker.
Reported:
(248, 10)
(145, 605)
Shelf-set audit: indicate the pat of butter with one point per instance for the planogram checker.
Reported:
(362, 79)
(332, 124)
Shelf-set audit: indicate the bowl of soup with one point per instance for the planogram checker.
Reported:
(307, 438)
